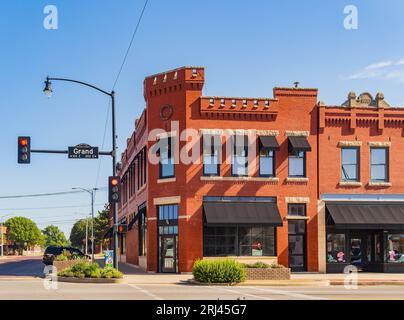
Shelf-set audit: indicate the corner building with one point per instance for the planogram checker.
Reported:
(254, 201)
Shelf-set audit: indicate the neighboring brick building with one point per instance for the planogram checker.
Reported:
(273, 201)
(184, 191)
(361, 207)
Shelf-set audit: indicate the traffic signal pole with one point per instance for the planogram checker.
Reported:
(113, 206)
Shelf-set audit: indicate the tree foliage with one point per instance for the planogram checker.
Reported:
(53, 236)
(78, 233)
(23, 232)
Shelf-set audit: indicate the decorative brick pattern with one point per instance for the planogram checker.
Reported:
(267, 273)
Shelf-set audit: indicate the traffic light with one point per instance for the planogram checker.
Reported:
(24, 150)
(123, 228)
(114, 189)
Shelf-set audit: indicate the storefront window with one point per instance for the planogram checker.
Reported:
(239, 241)
(395, 248)
(336, 248)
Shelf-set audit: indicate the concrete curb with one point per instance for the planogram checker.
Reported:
(271, 283)
(370, 282)
(91, 280)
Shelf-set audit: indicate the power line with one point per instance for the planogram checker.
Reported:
(115, 83)
(44, 194)
(130, 44)
(39, 195)
(49, 208)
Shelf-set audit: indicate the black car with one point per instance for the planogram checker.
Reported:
(52, 252)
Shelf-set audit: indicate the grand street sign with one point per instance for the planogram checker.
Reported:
(83, 151)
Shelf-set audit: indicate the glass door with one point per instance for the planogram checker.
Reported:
(297, 245)
(168, 253)
(356, 250)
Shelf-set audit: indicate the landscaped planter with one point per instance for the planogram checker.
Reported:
(61, 265)
(267, 273)
(91, 280)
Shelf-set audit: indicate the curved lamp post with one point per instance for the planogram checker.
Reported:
(48, 91)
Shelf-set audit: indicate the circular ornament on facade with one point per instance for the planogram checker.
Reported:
(166, 112)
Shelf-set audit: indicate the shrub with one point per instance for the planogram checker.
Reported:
(111, 273)
(218, 271)
(64, 256)
(89, 270)
(257, 265)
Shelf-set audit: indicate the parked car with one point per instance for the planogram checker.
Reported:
(52, 252)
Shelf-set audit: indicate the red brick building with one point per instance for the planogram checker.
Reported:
(198, 195)
(361, 202)
(256, 179)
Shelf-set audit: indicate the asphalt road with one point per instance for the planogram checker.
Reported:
(19, 280)
(21, 267)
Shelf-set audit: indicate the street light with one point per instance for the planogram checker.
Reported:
(91, 193)
(114, 206)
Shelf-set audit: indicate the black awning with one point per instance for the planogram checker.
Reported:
(136, 218)
(299, 143)
(269, 142)
(242, 213)
(108, 234)
(366, 216)
(132, 223)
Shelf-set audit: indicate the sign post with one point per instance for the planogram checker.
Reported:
(83, 151)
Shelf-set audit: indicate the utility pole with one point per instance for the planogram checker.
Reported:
(91, 192)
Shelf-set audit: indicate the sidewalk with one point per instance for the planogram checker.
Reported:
(135, 275)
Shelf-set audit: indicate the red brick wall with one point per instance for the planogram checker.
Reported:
(294, 110)
(289, 110)
(336, 126)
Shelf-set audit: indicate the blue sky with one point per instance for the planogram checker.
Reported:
(247, 47)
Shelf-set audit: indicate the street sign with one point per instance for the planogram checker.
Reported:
(83, 151)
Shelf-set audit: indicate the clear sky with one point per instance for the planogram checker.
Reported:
(247, 47)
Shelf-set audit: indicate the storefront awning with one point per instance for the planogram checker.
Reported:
(241, 213)
(299, 143)
(269, 142)
(367, 216)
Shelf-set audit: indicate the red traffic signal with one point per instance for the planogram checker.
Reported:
(123, 228)
(114, 189)
(24, 150)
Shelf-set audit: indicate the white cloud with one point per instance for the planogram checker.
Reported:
(385, 70)
(379, 65)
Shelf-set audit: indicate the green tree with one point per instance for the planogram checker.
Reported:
(101, 226)
(24, 233)
(78, 233)
(53, 236)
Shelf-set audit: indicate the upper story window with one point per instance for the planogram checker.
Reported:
(379, 170)
(350, 164)
(168, 212)
(297, 209)
(267, 147)
(211, 155)
(297, 163)
(239, 158)
(166, 158)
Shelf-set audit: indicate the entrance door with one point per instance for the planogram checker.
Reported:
(168, 253)
(297, 245)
